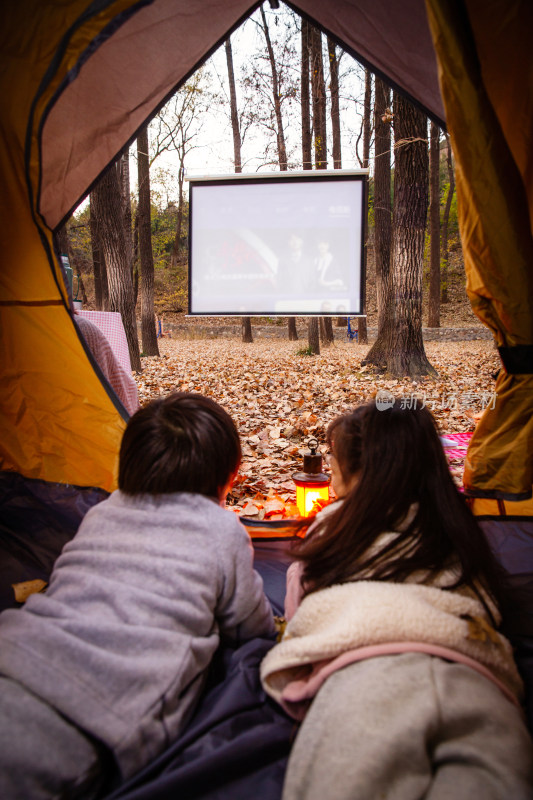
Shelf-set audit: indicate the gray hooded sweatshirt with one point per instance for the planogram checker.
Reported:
(121, 641)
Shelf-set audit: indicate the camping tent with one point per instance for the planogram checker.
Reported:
(78, 79)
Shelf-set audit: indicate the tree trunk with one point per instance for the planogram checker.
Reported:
(124, 181)
(247, 335)
(136, 258)
(445, 219)
(313, 337)
(108, 211)
(335, 128)
(318, 93)
(101, 290)
(335, 112)
(81, 288)
(307, 157)
(405, 355)
(318, 97)
(233, 108)
(307, 162)
(293, 333)
(148, 329)
(326, 331)
(176, 246)
(382, 221)
(434, 229)
(282, 150)
(362, 330)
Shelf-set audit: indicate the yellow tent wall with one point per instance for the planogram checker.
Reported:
(486, 76)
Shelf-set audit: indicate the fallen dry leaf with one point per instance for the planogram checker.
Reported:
(279, 399)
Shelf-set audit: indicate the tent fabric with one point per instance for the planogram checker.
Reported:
(119, 80)
(78, 79)
(486, 78)
(38, 518)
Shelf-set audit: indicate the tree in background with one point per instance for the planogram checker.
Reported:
(367, 130)
(101, 289)
(313, 340)
(305, 97)
(318, 102)
(123, 168)
(148, 328)
(382, 220)
(445, 221)
(174, 130)
(106, 203)
(246, 322)
(404, 351)
(434, 228)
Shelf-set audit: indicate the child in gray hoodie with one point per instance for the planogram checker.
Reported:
(102, 672)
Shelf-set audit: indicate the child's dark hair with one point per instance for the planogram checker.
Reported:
(403, 474)
(181, 443)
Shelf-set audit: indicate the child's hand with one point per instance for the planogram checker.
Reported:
(281, 624)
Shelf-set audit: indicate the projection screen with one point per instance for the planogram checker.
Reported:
(281, 244)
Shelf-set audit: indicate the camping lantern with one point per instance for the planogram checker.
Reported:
(311, 484)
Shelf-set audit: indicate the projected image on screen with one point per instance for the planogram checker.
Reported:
(283, 245)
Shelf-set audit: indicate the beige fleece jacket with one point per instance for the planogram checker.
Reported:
(346, 617)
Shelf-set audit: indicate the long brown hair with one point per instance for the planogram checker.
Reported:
(404, 478)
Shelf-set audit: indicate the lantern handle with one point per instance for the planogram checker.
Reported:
(312, 444)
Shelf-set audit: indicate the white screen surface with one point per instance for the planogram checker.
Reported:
(277, 246)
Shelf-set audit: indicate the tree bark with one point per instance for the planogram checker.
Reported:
(108, 211)
(307, 162)
(445, 220)
(313, 337)
(293, 333)
(318, 97)
(233, 108)
(136, 258)
(318, 93)
(101, 290)
(335, 111)
(148, 328)
(405, 354)
(335, 121)
(326, 331)
(123, 165)
(434, 229)
(382, 222)
(247, 335)
(282, 150)
(176, 245)
(362, 330)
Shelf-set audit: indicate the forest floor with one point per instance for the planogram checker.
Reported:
(279, 398)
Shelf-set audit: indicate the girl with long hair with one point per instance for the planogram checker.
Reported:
(392, 655)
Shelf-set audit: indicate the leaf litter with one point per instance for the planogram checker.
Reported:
(280, 399)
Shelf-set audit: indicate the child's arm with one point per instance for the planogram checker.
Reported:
(294, 591)
(243, 610)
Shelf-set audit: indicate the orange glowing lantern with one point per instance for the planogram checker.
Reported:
(312, 485)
